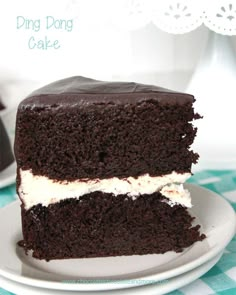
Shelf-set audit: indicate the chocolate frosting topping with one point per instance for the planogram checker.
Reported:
(83, 91)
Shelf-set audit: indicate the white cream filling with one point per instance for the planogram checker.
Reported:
(35, 189)
(176, 194)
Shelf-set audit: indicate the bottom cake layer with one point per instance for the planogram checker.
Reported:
(100, 224)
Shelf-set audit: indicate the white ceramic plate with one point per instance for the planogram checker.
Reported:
(117, 272)
(8, 175)
(156, 289)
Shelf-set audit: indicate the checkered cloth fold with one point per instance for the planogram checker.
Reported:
(221, 279)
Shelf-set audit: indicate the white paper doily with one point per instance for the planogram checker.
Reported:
(220, 16)
(176, 16)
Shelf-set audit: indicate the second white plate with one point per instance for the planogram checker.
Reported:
(155, 289)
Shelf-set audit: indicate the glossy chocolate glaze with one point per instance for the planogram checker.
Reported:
(81, 91)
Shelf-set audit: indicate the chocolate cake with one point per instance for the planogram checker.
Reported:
(6, 155)
(101, 167)
(2, 107)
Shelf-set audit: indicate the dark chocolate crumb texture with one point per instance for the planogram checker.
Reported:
(82, 128)
(101, 167)
(104, 225)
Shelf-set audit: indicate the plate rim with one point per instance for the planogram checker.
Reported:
(168, 286)
(104, 286)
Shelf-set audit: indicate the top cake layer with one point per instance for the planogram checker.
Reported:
(83, 91)
(80, 128)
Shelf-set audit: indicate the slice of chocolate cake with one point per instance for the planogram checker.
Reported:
(2, 107)
(6, 154)
(101, 167)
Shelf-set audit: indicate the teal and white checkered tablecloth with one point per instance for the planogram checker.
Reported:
(221, 279)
